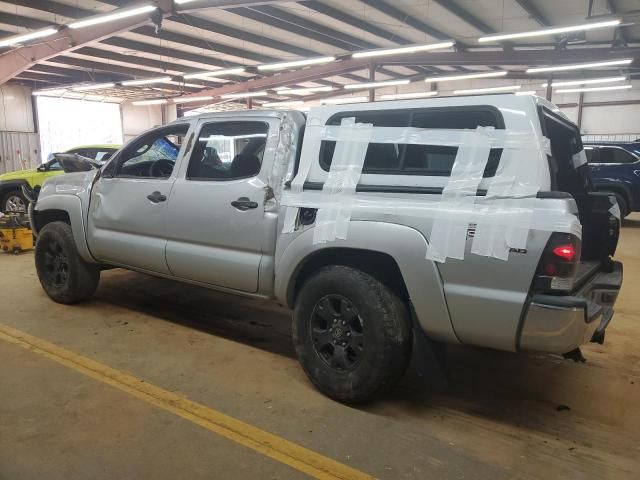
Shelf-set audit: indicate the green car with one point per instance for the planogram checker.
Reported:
(11, 197)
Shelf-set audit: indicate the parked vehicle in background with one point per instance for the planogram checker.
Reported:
(11, 197)
(615, 167)
(460, 220)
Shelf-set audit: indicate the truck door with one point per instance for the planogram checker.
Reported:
(127, 214)
(219, 229)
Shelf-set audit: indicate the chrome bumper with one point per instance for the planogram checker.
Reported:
(559, 324)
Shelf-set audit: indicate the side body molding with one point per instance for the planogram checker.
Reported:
(405, 245)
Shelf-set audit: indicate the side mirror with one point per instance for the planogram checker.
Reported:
(42, 168)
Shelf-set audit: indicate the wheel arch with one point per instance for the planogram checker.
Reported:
(393, 253)
(66, 208)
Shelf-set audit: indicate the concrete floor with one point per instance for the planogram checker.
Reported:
(504, 415)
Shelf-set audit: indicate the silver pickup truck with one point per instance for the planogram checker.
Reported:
(386, 227)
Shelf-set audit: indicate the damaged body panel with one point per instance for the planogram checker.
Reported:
(471, 218)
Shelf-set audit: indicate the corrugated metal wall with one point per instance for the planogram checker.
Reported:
(621, 137)
(19, 151)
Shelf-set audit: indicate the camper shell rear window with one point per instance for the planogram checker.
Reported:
(426, 160)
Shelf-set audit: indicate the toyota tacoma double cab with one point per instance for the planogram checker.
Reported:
(386, 227)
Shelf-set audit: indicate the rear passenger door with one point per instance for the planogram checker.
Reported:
(219, 229)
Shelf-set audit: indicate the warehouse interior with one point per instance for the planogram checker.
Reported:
(157, 378)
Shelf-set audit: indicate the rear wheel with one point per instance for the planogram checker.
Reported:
(14, 202)
(64, 276)
(623, 205)
(352, 334)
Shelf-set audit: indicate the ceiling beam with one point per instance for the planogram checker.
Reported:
(463, 14)
(522, 58)
(407, 19)
(21, 58)
(619, 30)
(534, 12)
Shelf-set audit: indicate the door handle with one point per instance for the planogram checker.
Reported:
(243, 204)
(157, 197)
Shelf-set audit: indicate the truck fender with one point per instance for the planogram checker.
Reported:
(72, 205)
(405, 245)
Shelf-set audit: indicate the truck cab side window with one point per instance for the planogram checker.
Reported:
(615, 155)
(154, 155)
(228, 151)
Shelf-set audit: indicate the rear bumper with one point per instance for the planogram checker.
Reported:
(559, 324)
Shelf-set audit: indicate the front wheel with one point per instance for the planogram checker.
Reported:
(64, 276)
(352, 334)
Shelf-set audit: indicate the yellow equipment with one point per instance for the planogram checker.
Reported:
(15, 234)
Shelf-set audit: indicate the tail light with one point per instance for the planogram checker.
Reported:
(559, 264)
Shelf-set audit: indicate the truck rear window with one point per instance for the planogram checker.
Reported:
(427, 160)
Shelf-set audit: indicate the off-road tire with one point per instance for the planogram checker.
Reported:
(64, 276)
(385, 334)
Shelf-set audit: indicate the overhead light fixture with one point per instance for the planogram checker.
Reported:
(110, 17)
(593, 89)
(526, 92)
(343, 100)
(578, 66)
(49, 91)
(244, 95)
(387, 83)
(25, 37)
(592, 81)
(95, 86)
(180, 2)
(550, 31)
(473, 91)
(400, 50)
(192, 99)
(296, 63)
(303, 91)
(148, 81)
(469, 76)
(404, 96)
(292, 103)
(157, 101)
(215, 73)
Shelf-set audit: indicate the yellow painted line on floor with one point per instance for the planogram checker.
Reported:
(277, 448)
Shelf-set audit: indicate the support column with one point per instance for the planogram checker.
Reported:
(372, 78)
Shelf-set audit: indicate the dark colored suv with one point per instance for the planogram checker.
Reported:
(615, 167)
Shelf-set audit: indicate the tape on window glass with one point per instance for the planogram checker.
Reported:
(503, 218)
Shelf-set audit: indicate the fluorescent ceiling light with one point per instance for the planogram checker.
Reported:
(192, 99)
(303, 91)
(50, 91)
(116, 15)
(180, 2)
(403, 96)
(95, 86)
(397, 51)
(472, 91)
(296, 63)
(453, 78)
(215, 73)
(157, 101)
(292, 103)
(343, 100)
(570, 83)
(593, 89)
(526, 92)
(25, 37)
(245, 95)
(388, 83)
(550, 31)
(148, 81)
(578, 66)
